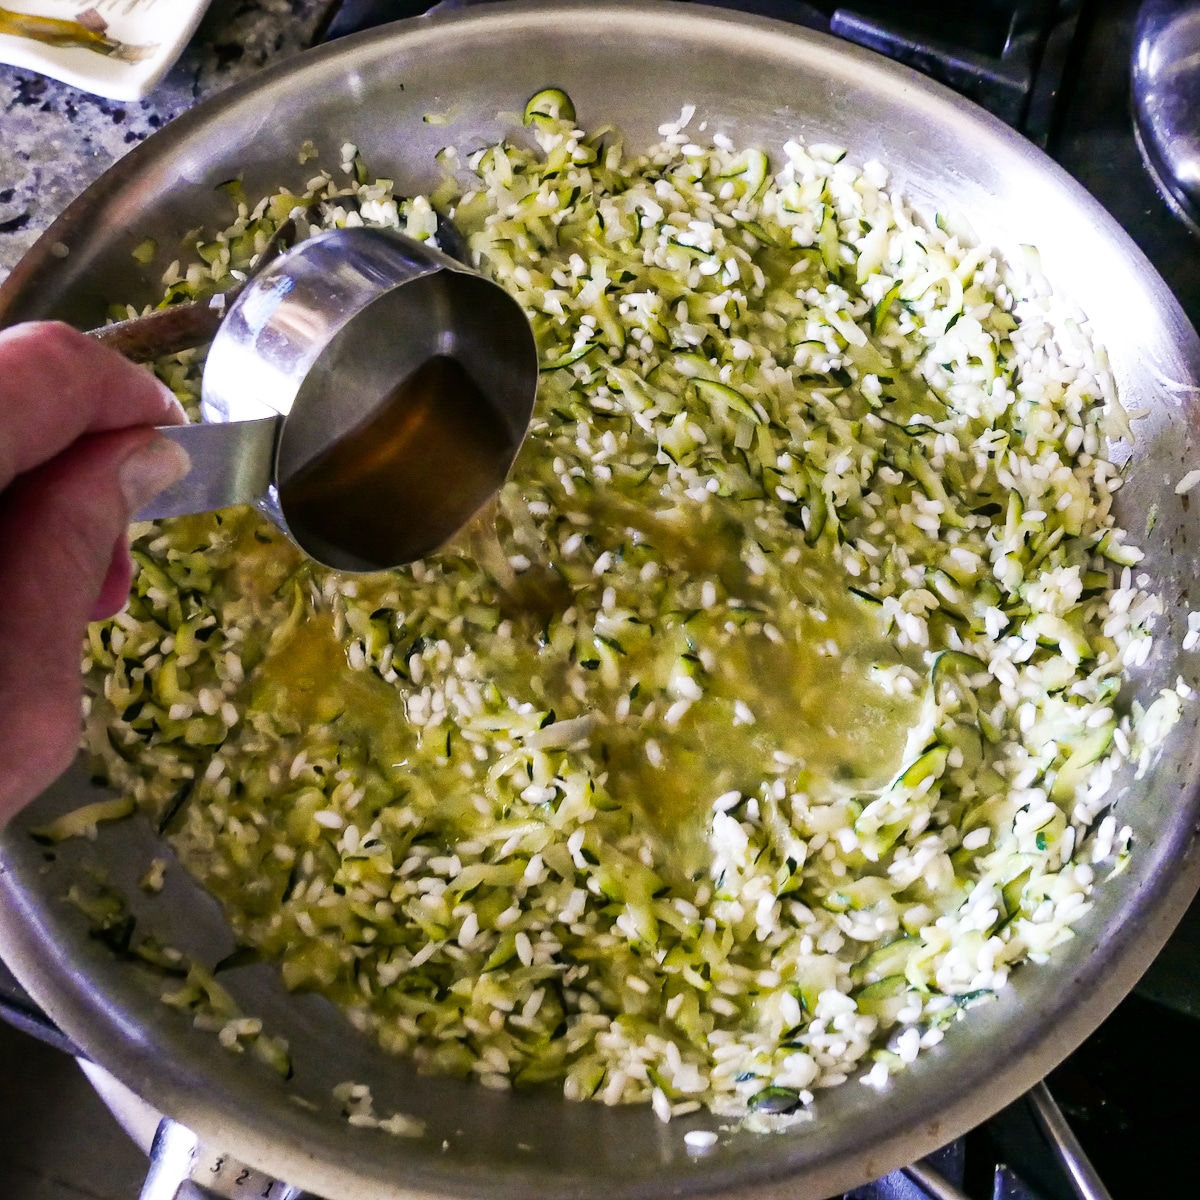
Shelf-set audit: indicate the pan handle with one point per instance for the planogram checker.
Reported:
(172, 1156)
(18, 1009)
(183, 1168)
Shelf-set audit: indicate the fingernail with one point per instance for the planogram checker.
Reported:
(174, 407)
(149, 469)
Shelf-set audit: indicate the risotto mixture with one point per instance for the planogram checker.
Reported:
(766, 721)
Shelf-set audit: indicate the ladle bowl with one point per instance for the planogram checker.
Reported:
(306, 412)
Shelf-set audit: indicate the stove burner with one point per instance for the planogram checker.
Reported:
(1166, 100)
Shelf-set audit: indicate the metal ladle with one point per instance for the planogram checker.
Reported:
(315, 349)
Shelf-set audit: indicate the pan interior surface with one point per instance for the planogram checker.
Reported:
(636, 67)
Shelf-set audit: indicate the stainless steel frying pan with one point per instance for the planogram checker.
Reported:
(635, 65)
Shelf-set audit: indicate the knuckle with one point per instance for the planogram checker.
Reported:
(46, 339)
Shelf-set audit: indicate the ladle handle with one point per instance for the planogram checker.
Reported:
(232, 463)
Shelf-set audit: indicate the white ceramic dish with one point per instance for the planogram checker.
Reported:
(153, 31)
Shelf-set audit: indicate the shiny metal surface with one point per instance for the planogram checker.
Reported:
(231, 464)
(933, 1182)
(182, 1168)
(312, 346)
(635, 65)
(172, 1153)
(1166, 99)
(1085, 1180)
(205, 1174)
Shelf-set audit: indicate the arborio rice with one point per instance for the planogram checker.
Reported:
(766, 724)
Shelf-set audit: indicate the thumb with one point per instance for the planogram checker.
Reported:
(58, 526)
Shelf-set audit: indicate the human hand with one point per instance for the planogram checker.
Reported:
(78, 457)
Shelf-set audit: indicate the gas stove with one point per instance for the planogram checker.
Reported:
(1058, 71)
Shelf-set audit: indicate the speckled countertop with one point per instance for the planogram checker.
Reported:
(54, 139)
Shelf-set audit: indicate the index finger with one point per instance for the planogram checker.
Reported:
(57, 384)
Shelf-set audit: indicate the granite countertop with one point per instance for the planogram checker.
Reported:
(55, 140)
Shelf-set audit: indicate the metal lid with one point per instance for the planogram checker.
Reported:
(1166, 100)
